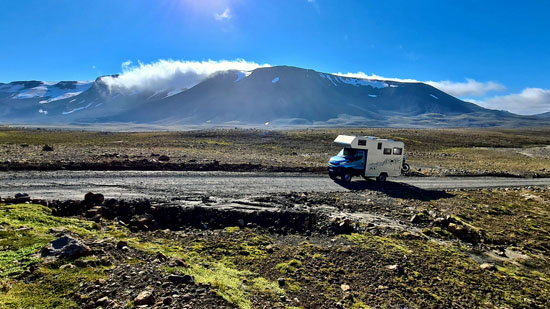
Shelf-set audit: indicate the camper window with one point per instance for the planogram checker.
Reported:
(387, 151)
(379, 146)
(346, 152)
(362, 142)
(397, 151)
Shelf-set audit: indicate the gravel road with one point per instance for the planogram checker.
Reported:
(131, 184)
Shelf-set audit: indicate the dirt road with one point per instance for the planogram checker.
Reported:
(132, 184)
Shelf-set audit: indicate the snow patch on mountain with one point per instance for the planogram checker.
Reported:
(275, 80)
(77, 109)
(51, 91)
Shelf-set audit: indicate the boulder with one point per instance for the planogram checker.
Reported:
(65, 247)
(22, 198)
(47, 148)
(488, 266)
(145, 298)
(181, 279)
(94, 198)
(397, 269)
(164, 158)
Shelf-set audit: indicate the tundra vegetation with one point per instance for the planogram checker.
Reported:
(398, 247)
(523, 152)
(469, 248)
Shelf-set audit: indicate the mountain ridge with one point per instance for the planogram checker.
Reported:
(280, 95)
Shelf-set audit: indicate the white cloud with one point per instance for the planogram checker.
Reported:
(172, 74)
(530, 101)
(226, 14)
(469, 88)
(458, 89)
(376, 77)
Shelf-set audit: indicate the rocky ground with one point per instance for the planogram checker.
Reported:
(394, 247)
(431, 152)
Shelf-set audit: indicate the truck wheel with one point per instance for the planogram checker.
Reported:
(346, 177)
(406, 167)
(332, 176)
(381, 178)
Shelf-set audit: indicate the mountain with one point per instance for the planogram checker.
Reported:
(280, 96)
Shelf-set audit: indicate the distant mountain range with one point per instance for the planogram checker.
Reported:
(275, 96)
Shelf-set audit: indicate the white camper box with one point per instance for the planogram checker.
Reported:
(384, 157)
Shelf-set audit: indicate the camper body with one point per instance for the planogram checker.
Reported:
(367, 156)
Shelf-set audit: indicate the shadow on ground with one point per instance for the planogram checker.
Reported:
(395, 190)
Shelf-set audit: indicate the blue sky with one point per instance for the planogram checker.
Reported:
(495, 53)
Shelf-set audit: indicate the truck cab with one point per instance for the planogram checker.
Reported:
(367, 156)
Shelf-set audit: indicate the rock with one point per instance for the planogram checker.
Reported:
(94, 198)
(47, 148)
(415, 219)
(121, 244)
(161, 257)
(345, 288)
(22, 198)
(58, 231)
(67, 266)
(66, 247)
(167, 301)
(143, 222)
(397, 270)
(145, 298)
(455, 229)
(85, 263)
(94, 211)
(269, 248)
(281, 282)
(164, 158)
(488, 266)
(181, 279)
(103, 301)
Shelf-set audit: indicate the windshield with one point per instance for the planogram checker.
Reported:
(346, 152)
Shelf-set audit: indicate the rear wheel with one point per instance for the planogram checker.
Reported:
(381, 178)
(332, 175)
(346, 177)
(406, 167)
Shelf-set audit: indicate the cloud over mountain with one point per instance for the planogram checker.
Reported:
(458, 89)
(172, 74)
(469, 88)
(528, 102)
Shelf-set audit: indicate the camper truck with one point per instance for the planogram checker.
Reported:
(367, 156)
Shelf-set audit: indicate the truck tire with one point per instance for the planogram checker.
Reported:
(346, 176)
(381, 178)
(332, 176)
(406, 167)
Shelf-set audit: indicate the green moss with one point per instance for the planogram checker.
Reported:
(27, 231)
(51, 291)
(289, 267)
(231, 229)
(386, 244)
(359, 305)
(234, 285)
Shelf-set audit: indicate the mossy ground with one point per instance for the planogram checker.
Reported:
(244, 265)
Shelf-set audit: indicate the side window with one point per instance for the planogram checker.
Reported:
(362, 142)
(397, 151)
(387, 151)
(379, 146)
